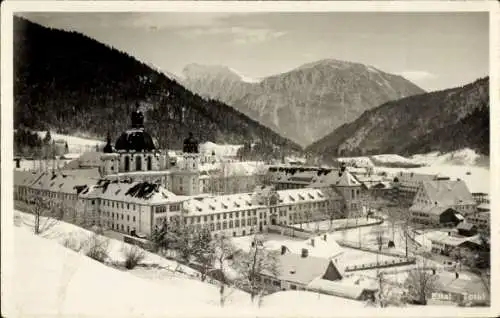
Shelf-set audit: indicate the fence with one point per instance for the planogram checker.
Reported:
(383, 264)
(289, 231)
(369, 249)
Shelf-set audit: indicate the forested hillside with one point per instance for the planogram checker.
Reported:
(445, 120)
(72, 84)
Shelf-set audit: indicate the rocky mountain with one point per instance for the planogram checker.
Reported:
(443, 121)
(306, 103)
(70, 83)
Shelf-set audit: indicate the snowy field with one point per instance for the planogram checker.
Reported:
(326, 225)
(477, 181)
(75, 144)
(51, 280)
(41, 164)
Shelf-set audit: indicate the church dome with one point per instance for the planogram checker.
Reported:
(135, 140)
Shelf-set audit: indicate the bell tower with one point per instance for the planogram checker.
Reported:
(186, 180)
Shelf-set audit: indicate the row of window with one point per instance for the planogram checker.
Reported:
(118, 216)
(229, 225)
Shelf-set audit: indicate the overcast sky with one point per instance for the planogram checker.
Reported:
(434, 50)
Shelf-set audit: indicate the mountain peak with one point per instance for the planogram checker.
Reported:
(196, 70)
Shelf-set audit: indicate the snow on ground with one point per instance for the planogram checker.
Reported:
(358, 161)
(62, 231)
(75, 144)
(220, 150)
(477, 181)
(392, 159)
(460, 157)
(51, 280)
(299, 301)
(326, 225)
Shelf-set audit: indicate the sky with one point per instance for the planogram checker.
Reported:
(434, 50)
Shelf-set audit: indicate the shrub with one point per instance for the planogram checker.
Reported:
(133, 256)
(72, 243)
(97, 248)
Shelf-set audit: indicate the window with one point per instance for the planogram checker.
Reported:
(225, 216)
(211, 226)
(218, 225)
(128, 206)
(224, 225)
(93, 201)
(192, 220)
(231, 224)
(205, 218)
(237, 223)
(127, 164)
(150, 164)
(128, 217)
(133, 207)
(243, 222)
(237, 214)
(133, 218)
(113, 215)
(198, 219)
(211, 217)
(122, 216)
(113, 204)
(293, 287)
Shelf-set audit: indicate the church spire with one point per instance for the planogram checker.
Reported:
(108, 148)
(137, 117)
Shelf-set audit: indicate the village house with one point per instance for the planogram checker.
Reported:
(408, 183)
(444, 242)
(301, 271)
(441, 202)
(481, 219)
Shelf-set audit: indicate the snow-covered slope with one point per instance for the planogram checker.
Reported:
(75, 144)
(460, 157)
(51, 280)
(220, 150)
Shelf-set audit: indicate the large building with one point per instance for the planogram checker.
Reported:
(408, 183)
(442, 201)
(133, 187)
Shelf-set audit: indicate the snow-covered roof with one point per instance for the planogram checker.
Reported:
(133, 192)
(202, 205)
(448, 192)
(484, 206)
(302, 270)
(336, 288)
(334, 178)
(430, 209)
(62, 183)
(295, 196)
(326, 249)
(445, 238)
(25, 178)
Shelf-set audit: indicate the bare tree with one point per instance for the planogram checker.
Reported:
(133, 256)
(45, 212)
(252, 264)
(224, 249)
(379, 236)
(421, 282)
(96, 247)
(204, 251)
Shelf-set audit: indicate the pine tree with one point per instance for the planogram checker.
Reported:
(48, 138)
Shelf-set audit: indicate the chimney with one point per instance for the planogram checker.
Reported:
(305, 252)
(312, 242)
(449, 233)
(324, 237)
(283, 249)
